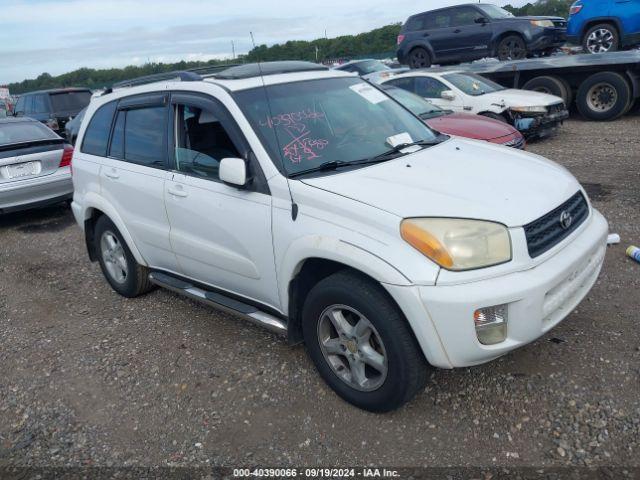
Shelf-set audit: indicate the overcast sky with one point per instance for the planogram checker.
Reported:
(58, 36)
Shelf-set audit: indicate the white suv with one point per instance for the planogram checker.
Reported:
(310, 202)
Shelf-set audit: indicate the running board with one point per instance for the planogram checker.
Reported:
(219, 301)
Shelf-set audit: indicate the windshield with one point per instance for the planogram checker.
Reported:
(495, 12)
(371, 66)
(313, 122)
(473, 84)
(418, 105)
(21, 132)
(70, 101)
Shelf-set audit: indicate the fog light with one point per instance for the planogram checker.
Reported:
(491, 324)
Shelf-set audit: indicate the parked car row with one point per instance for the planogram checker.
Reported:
(323, 207)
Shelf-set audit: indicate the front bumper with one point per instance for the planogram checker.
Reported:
(532, 126)
(548, 38)
(537, 300)
(36, 192)
(513, 141)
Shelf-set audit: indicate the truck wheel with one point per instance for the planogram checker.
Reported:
(361, 343)
(603, 96)
(512, 47)
(552, 86)
(118, 265)
(601, 38)
(419, 58)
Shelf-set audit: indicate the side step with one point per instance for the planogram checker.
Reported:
(220, 302)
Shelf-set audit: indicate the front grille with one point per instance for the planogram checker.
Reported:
(556, 108)
(517, 142)
(547, 231)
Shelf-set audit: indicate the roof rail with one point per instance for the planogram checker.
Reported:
(182, 75)
(212, 69)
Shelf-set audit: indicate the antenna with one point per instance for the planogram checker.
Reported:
(294, 205)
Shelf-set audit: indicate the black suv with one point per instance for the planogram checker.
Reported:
(473, 31)
(54, 108)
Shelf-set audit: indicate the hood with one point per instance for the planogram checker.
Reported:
(471, 126)
(512, 97)
(543, 17)
(461, 179)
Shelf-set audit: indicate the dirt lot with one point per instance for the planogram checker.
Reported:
(90, 378)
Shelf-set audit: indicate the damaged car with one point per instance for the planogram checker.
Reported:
(534, 114)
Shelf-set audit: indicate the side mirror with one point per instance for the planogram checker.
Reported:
(233, 171)
(482, 20)
(448, 95)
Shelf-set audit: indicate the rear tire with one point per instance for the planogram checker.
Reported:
(512, 47)
(379, 370)
(551, 85)
(601, 38)
(604, 96)
(419, 58)
(118, 264)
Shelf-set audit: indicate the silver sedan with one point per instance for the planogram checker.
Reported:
(35, 165)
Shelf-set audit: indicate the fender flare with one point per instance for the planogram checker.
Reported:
(337, 250)
(93, 201)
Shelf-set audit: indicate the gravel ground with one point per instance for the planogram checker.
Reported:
(90, 378)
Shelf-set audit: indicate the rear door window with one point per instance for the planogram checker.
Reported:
(70, 101)
(464, 16)
(407, 83)
(438, 20)
(96, 138)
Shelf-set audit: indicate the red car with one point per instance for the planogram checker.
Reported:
(460, 124)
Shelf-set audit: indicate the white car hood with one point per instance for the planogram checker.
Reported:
(521, 98)
(459, 178)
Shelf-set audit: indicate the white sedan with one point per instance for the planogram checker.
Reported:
(535, 114)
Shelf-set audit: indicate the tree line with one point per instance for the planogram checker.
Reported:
(379, 43)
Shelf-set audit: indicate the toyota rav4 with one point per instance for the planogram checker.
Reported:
(310, 202)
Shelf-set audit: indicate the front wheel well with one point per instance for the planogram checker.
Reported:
(312, 271)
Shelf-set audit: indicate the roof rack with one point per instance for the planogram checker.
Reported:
(249, 70)
(208, 70)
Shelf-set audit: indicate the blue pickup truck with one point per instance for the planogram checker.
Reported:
(604, 25)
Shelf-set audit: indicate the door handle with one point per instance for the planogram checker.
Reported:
(111, 174)
(177, 192)
(457, 30)
(426, 34)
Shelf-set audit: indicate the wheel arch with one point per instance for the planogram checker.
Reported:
(311, 259)
(595, 21)
(96, 206)
(502, 36)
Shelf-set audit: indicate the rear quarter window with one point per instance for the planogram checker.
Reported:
(96, 137)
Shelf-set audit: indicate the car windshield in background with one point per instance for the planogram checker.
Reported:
(418, 105)
(22, 132)
(307, 124)
(494, 12)
(472, 84)
(70, 101)
(371, 66)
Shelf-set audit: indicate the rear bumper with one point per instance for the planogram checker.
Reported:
(537, 300)
(36, 192)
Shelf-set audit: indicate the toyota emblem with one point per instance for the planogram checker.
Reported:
(565, 219)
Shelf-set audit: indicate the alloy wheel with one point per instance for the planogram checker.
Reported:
(600, 40)
(114, 257)
(352, 347)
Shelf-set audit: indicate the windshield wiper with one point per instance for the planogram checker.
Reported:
(398, 148)
(334, 165)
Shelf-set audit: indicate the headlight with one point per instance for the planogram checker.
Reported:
(542, 23)
(458, 244)
(539, 109)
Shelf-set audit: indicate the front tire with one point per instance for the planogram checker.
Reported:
(419, 58)
(361, 343)
(512, 47)
(601, 38)
(118, 265)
